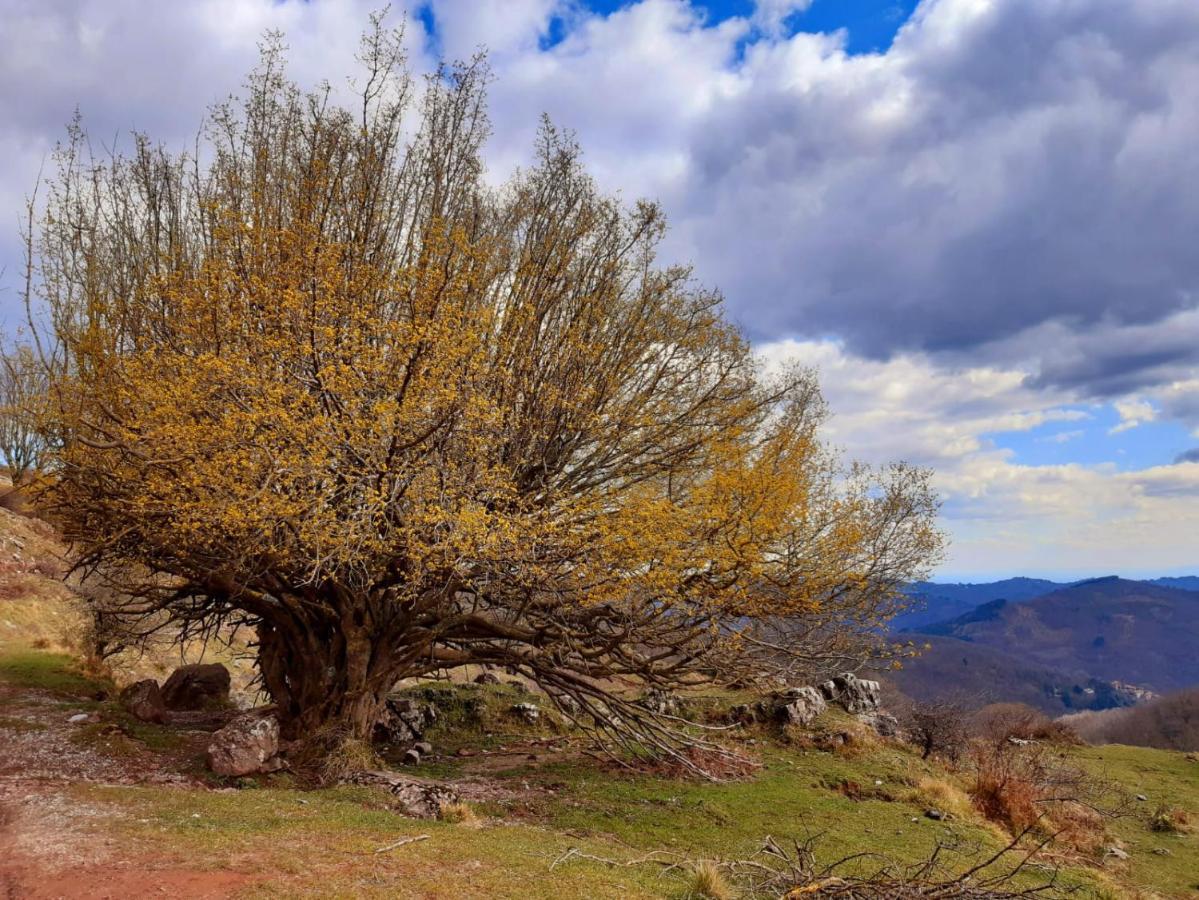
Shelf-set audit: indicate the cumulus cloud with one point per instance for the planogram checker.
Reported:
(1187, 456)
(983, 229)
(1132, 413)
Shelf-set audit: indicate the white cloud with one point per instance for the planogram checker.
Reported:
(1132, 413)
(977, 231)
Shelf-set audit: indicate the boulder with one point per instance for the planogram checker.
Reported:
(660, 702)
(200, 686)
(424, 748)
(143, 700)
(414, 796)
(527, 713)
(852, 693)
(487, 678)
(799, 706)
(248, 745)
(404, 720)
(883, 724)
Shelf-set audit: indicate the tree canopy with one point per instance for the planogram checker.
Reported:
(319, 377)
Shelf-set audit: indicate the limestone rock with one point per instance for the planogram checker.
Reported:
(193, 687)
(414, 796)
(143, 700)
(799, 706)
(855, 695)
(663, 703)
(248, 745)
(527, 712)
(883, 724)
(404, 720)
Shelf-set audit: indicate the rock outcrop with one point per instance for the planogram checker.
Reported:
(798, 706)
(852, 693)
(200, 686)
(404, 720)
(414, 796)
(143, 700)
(249, 745)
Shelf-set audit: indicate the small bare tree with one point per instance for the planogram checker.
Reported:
(23, 385)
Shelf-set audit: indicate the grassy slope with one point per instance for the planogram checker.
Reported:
(322, 843)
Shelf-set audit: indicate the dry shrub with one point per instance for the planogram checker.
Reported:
(709, 883)
(1002, 721)
(938, 729)
(717, 763)
(331, 754)
(1026, 787)
(937, 793)
(1169, 820)
(459, 814)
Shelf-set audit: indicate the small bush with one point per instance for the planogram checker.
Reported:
(1169, 820)
(459, 814)
(709, 883)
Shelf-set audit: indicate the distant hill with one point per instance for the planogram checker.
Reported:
(1183, 583)
(975, 675)
(1168, 723)
(1097, 636)
(940, 602)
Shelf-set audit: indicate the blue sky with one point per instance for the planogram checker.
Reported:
(980, 228)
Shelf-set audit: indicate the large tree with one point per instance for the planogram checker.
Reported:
(323, 380)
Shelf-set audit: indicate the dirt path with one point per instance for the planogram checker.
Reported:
(52, 844)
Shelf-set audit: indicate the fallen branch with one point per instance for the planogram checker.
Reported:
(402, 841)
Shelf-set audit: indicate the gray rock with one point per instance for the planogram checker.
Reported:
(143, 700)
(404, 720)
(853, 694)
(487, 678)
(527, 712)
(660, 702)
(884, 725)
(197, 687)
(412, 757)
(249, 745)
(414, 796)
(1116, 853)
(935, 814)
(1142, 797)
(79, 718)
(799, 706)
(424, 748)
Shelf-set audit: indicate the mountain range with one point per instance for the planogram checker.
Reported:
(1093, 644)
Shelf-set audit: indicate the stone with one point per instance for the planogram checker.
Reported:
(884, 725)
(413, 796)
(412, 757)
(249, 745)
(79, 718)
(799, 706)
(1116, 853)
(527, 712)
(1142, 797)
(487, 678)
(853, 694)
(404, 720)
(143, 700)
(660, 702)
(424, 748)
(195, 687)
(935, 814)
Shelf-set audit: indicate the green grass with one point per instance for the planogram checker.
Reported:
(1164, 778)
(26, 667)
(321, 843)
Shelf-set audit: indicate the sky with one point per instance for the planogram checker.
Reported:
(979, 219)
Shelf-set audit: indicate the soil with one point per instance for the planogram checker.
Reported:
(48, 847)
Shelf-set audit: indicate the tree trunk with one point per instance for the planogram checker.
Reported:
(322, 682)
